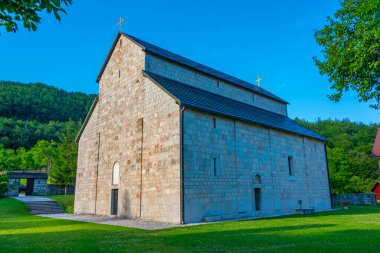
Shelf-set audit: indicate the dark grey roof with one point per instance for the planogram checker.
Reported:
(200, 99)
(202, 68)
(18, 175)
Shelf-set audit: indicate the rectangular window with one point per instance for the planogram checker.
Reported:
(290, 165)
(214, 122)
(215, 168)
(119, 73)
(253, 97)
(217, 84)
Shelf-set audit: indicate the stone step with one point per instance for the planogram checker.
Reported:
(42, 204)
(44, 207)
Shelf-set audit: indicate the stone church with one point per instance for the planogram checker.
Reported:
(172, 140)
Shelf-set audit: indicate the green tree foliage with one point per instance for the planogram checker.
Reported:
(44, 154)
(4, 180)
(38, 126)
(65, 161)
(349, 149)
(42, 103)
(15, 133)
(351, 50)
(28, 12)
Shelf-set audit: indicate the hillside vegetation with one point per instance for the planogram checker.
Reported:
(38, 125)
(349, 146)
(42, 103)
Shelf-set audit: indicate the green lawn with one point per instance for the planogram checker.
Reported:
(65, 201)
(355, 230)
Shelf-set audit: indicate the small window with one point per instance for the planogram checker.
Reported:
(253, 97)
(290, 165)
(257, 179)
(119, 73)
(214, 122)
(121, 42)
(217, 84)
(215, 168)
(116, 173)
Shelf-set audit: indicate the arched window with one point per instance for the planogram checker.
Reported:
(257, 179)
(116, 173)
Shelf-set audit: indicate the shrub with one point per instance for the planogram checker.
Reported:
(4, 181)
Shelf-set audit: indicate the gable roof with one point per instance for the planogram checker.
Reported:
(206, 101)
(375, 186)
(148, 47)
(376, 145)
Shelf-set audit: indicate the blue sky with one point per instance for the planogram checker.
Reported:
(273, 39)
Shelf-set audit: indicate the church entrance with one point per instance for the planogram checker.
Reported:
(114, 201)
(257, 194)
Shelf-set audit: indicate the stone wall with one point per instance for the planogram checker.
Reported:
(355, 199)
(242, 151)
(40, 187)
(13, 187)
(86, 178)
(159, 66)
(59, 189)
(138, 125)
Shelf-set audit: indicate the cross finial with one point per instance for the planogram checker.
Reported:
(258, 80)
(121, 20)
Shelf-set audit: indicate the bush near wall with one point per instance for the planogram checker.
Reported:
(4, 181)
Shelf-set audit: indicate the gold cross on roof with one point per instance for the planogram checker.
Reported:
(258, 80)
(121, 20)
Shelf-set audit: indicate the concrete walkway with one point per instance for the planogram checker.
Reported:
(132, 223)
(32, 199)
(141, 223)
(124, 222)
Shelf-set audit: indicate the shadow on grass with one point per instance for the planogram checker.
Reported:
(302, 238)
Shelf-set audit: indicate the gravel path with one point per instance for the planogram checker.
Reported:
(132, 223)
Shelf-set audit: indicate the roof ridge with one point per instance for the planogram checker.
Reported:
(215, 95)
(204, 68)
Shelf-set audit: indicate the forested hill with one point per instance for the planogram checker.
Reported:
(42, 103)
(349, 146)
(38, 125)
(33, 112)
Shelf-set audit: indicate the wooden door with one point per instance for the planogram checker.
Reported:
(114, 201)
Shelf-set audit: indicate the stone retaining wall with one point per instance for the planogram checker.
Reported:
(59, 189)
(355, 199)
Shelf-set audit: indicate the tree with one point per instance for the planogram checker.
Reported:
(29, 12)
(351, 50)
(65, 163)
(4, 187)
(43, 154)
(349, 154)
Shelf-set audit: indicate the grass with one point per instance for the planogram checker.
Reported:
(354, 230)
(65, 201)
